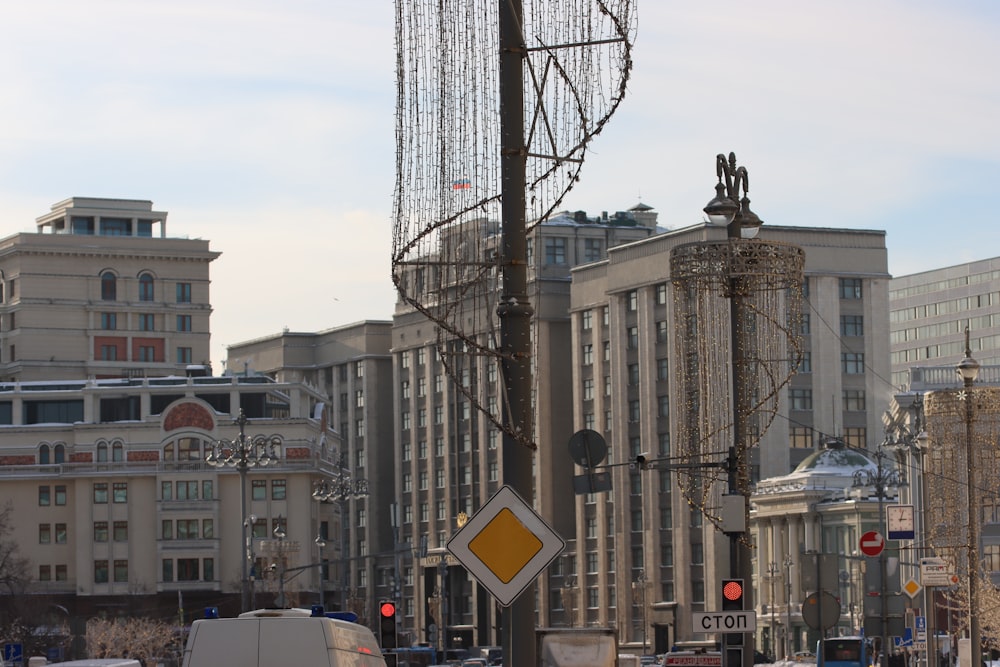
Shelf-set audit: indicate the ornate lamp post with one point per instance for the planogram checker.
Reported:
(244, 452)
(881, 481)
(339, 489)
(639, 597)
(968, 368)
(773, 569)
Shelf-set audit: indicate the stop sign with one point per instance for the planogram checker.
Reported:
(872, 543)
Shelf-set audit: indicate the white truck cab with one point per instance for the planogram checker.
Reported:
(279, 638)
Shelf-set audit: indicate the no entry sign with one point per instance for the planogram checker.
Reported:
(872, 543)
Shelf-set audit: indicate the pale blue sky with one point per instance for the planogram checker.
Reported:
(268, 128)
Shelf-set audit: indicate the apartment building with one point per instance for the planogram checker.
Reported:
(101, 290)
(643, 560)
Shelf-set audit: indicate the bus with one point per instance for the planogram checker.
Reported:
(843, 652)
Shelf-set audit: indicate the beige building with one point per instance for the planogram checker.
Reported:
(101, 291)
(108, 412)
(642, 560)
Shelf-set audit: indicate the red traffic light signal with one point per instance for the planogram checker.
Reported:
(732, 595)
(387, 623)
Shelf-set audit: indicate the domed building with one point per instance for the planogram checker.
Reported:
(822, 507)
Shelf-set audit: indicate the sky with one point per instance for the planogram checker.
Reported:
(268, 129)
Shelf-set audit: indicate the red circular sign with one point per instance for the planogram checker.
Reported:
(872, 543)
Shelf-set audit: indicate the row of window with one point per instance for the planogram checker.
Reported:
(187, 490)
(147, 291)
(187, 569)
(802, 399)
(187, 529)
(119, 493)
(804, 437)
(143, 353)
(146, 322)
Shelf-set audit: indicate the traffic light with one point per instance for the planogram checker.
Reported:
(387, 623)
(732, 595)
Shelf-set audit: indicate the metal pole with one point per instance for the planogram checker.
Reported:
(883, 571)
(244, 570)
(974, 631)
(514, 313)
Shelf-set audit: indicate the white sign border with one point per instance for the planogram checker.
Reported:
(552, 545)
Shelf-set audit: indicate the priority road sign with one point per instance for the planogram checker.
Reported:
(505, 545)
(872, 543)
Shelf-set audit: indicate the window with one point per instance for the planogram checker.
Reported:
(663, 405)
(856, 436)
(44, 573)
(166, 491)
(100, 571)
(207, 489)
(207, 529)
(100, 531)
(208, 569)
(146, 287)
(60, 494)
(806, 364)
(587, 320)
(183, 292)
(633, 411)
(184, 323)
(187, 569)
(120, 531)
(800, 399)
(662, 369)
(555, 251)
(661, 331)
(121, 571)
(109, 286)
(43, 455)
(45, 533)
(854, 399)
(109, 353)
(184, 355)
(61, 573)
(167, 569)
(633, 374)
(588, 389)
(100, 492)
(61, 533)
(588, 354)
(852, 363)
(147, 322)
(852, 325)
(661, 294)
(187, 490)
(632, 335)
(800, 437)
(593, 249)
(120, 491)
(258, 489)
(850, 288)
(632, 300)
(278, 489)
(109, 321)
(44, 496)
(187, 529)
(167, 529)
(147, 353)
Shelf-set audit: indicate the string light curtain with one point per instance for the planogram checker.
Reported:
(946, 477)
(446, 212)
(766, 277)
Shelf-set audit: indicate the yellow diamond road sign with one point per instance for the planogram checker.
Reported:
(505, 545)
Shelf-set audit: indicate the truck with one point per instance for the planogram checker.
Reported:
(576, 647)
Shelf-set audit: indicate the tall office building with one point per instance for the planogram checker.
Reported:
(101, 291)
(351, 366)
(448, 452)
(928, 314)
(643, 560)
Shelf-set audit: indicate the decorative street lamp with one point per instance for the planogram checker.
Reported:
(244, 452)
(339, 489)
(320, 545)
(639, 597)
(968, 369)
(881, 481)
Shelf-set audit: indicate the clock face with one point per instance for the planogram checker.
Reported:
(900, 517)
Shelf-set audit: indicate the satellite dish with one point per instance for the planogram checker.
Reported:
(587, 448)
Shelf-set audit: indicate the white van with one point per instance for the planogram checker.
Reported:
(96, 662)
(281, 637)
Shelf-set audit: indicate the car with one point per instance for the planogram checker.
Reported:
(474, 662)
